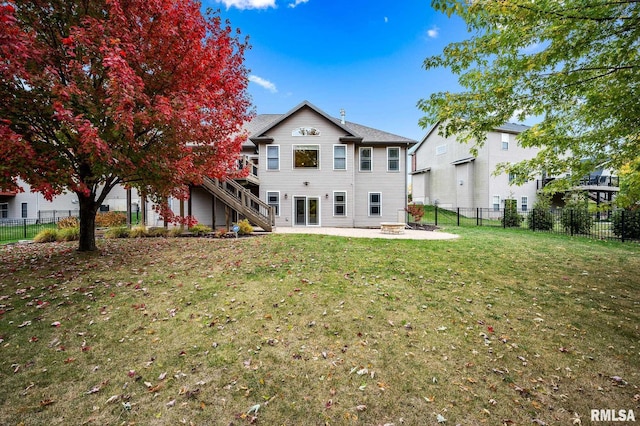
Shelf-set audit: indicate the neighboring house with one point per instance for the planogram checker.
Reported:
(306, 168)
(316, 170)
(443, 171)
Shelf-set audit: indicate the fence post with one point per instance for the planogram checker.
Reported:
(622, 230)
(504, 217)
(24, 227)
(477, 216)
(458, 216)
(436, 216)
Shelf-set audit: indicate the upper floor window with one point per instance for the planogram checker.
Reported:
(393, 159)
(441, 149)
(306, 156)
(305, 131)
(505, 141)
(4, 210)
(524, 204)
(339, 157)
(366, 157)
(273, 157)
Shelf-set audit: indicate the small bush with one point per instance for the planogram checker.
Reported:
(118, 232)
(575, 217)
(416, 211)
(138, 232)
(200, 229)
(158, 232)
(175, 232)
(110, 219)
(68, 222)
(511, 217)
(69, 234)
(221, 233)
(46, 236)
(245, 227)
(626, 223)
(541, 218)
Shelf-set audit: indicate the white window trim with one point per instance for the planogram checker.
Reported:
(346, 211)
(279, 202)
(522, 203)
(293, 156)
(360, 159)
(441, 149)
(346, 166)
(504, 139)
(267, 155)
(493, 203)
(369, 204)
(389, 148)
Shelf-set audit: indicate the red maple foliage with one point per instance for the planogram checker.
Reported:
(150, 94)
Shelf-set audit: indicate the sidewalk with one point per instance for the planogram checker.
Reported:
(409, 234)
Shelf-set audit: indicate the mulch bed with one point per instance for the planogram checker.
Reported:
(423, 227)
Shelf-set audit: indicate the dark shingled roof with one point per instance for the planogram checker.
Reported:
(262, 123)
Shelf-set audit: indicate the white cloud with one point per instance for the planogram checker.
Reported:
(433, 32)
(263, 83)
(386, 19)
(248, 4)
(297, 2)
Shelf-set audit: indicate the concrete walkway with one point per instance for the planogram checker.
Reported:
(409, 234)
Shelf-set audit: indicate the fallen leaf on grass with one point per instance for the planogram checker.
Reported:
(46, 402)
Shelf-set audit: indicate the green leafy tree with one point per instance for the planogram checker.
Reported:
(575, 64)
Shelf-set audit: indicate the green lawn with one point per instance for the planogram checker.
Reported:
(496, 327)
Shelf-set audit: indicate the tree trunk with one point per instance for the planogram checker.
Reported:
(88, 210)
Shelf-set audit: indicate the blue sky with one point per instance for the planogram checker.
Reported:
(364, 56)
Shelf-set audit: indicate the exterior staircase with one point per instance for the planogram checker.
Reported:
(242, 201)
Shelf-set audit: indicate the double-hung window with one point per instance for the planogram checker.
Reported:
(273, 157)
(393, 159)
(505, 141)
(375, 204)
(496, 203)
(339, 157)
(273, 199)
(366, 159)
(339, 203)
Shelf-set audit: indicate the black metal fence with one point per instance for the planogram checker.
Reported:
(12, 230)
(622, 225)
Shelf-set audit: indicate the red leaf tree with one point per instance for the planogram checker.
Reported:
(150, 94)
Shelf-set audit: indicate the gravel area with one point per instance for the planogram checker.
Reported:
(409, 234)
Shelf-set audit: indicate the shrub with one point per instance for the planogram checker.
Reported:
(46, 236)
(175, 232)
(511, 217)
(117, 232)
(416, 211)
(245, 227)
(68, 222)
(541, 218)
(575, 217)
(158, 232)
(69, 234)
(626, 222)
(110, 219)
(200, 229)
(138, 232)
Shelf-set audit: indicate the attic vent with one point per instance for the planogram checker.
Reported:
(342, 115)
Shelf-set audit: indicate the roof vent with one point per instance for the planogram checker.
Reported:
(342, 114)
